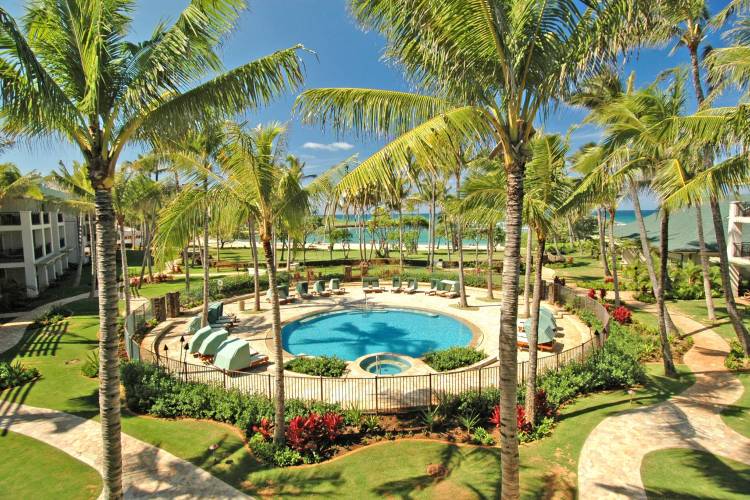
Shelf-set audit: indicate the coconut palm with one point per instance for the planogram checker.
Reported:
(70, 71)
(489, 69)
(13, 184)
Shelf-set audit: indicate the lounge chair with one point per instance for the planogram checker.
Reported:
(371, 285)
(335, 286)
(434, 287)
(236, 354)
(197, 339)
(412, 286)
(284, 297)
(396, 286)
(302, 290)
(319, 289)
(215, 317)
(210, 345)
(449, 289)
(194, 324)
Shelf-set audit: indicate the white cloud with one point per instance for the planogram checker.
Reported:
(334, 146)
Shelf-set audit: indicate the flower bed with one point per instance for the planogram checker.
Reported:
(15, 374)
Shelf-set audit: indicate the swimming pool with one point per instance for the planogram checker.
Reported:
(351, 334)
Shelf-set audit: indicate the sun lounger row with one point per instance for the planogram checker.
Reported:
(545, 332)
(214, 344)
(443, 288)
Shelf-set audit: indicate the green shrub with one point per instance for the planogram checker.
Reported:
(454, 357)
(736, 359)
(540, 430)
(90, 367)
(323, 366)
(265, 451)
(52, 316)
(482, 437)
(287, 457)
(228, 286)
(452, 406)
(13, 375)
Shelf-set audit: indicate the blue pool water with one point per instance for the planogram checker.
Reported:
(351, 334)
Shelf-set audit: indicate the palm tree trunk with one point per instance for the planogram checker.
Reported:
(94, 260)
(509, 314)
(571, 234)
(204, 311)
(81, 253)
(109, 360)
(726, 283)
(490, 250)
(602, 247)
(278, 430)
(460, 237)
(256, 271)
(527, 277)
(149, 260)
(666, 352)
(431, 231)
(147, 245)
(124, 259)
(704, 266)
(613, 254)
(533, 334)
(447, 237)
(187, 268)
(400, 240)
(646, 250)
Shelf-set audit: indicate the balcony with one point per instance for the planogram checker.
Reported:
(48, 249)
(60, 217)
(38, 252)
(36, 218)
(10, 219)
(62, 242)
(10, 255)
(46, 217)
(742, 249)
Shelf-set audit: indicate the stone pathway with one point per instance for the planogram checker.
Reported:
(12, 331)
(610, 461)
(148, 472)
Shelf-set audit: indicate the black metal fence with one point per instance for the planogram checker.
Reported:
(379, 394)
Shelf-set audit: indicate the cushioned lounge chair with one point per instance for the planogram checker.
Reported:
(284, 296)
(210, 345)
(319, 289)
(449, 289)
(545, 335)
(197, 339)
(371, 285)
(302, 290)
(434, 287)
(412, 286)
(396, 286)
(236, 354)
(335, 286)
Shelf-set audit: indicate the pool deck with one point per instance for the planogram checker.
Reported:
(482, 315)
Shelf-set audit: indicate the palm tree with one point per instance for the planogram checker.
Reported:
(13, 184)
(71, 71)
(490, 69)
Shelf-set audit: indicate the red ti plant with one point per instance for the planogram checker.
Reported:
(265, 428)
(592, 294)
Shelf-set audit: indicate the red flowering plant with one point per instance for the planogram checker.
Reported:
(265, 428)
(609, 279)
(523, 425)
(592, 294)
(602, 293)
(314, 434)
(622, 315)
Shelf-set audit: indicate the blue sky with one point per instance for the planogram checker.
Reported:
(345, 57)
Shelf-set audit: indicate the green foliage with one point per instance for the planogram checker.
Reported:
(542, 429)
(323, 366)
(468, 421)
(353, 416)
(286, 457)
(736, 359)
(370, 424)
(52, 316)
(453, 357)
(149, 389)
(15, 374)
(482, 437)
(452, 406)
(430, 417)
(227, 286)
(90, 367)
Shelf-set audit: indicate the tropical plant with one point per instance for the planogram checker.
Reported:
(490, 69)
(71, 71)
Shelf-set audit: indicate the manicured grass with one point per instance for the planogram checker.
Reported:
(710, 476)
(584, 270)
(696, 309)
(737, 416)
(32, 469)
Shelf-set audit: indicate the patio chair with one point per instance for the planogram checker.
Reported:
(412, 286)
(371, 285)
(335, 286)
(197, 339)
(236, 354)
(435, 287)
(449, 289)
(210, 345)
(302, 290)
(319, 289)
(396, 286)
(545, 334)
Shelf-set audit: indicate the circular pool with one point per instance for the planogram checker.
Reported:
(355, 333)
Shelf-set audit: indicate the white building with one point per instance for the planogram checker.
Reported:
(38, 243)
(738, 250)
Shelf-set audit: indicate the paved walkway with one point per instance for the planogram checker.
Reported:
(149, 472)
(610, 461)
(12, 332)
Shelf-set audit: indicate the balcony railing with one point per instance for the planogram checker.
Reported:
(46, 217)
(742, 249)
(62, 242)
(48, 248)
(38, 252)
(11, 255)
(10, 219)
(36, 218)
(743, 209)
(59, 217)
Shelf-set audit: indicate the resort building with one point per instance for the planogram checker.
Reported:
(38, 243)
(738, 249)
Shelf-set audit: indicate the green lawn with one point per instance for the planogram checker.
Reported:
(58, 352)
(696, 309)
(703, 475)
(737, 416)
(32, 469)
